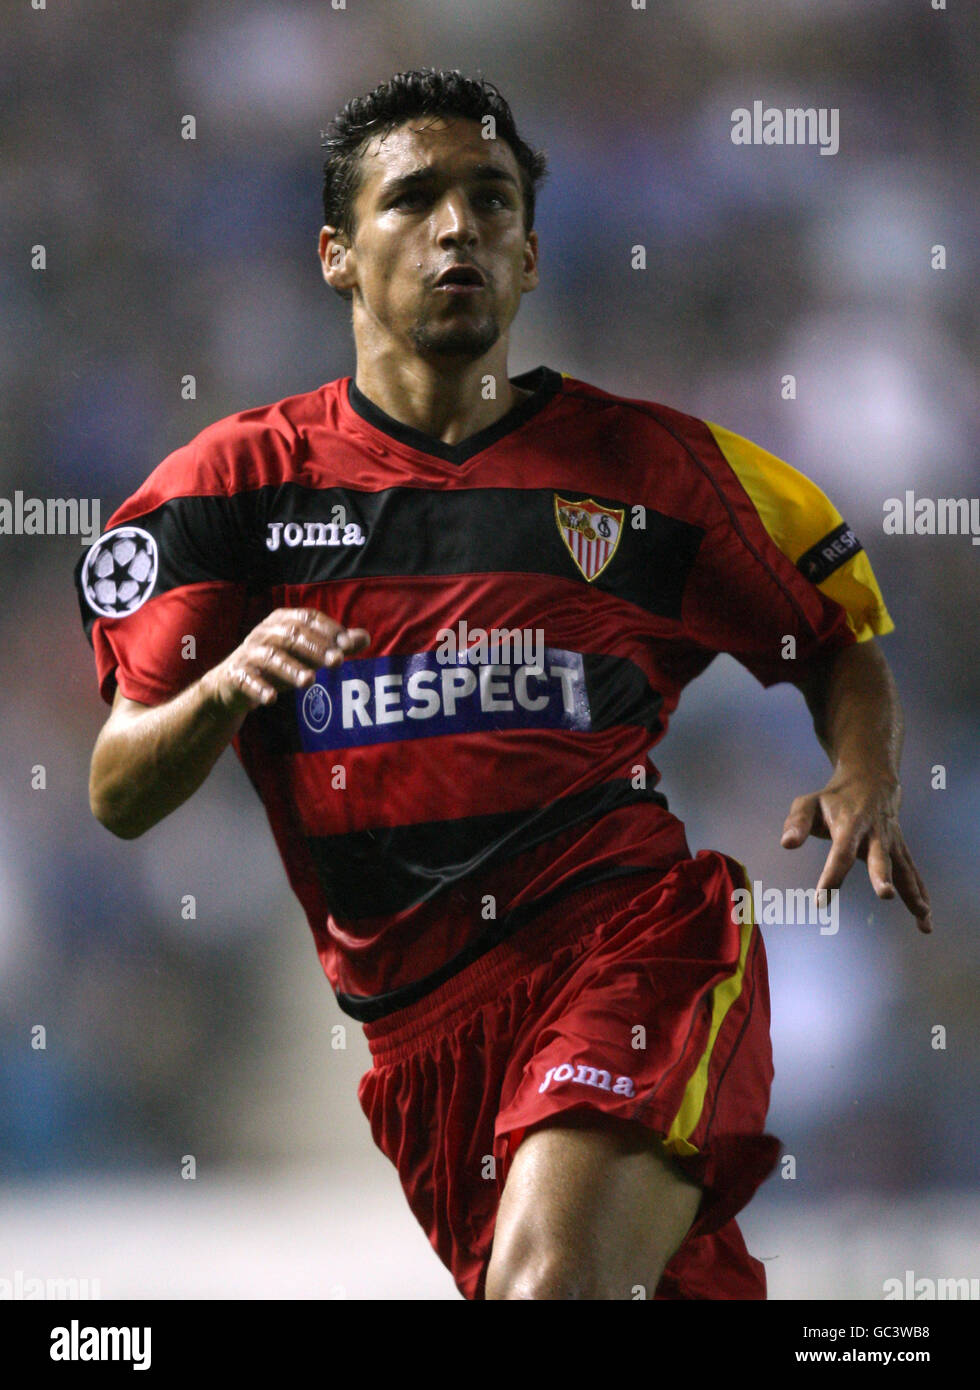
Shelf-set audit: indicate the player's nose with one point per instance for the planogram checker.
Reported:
(456, 224)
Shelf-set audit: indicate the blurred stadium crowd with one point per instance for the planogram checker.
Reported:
(168, 257)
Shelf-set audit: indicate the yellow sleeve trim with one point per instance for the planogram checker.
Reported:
(797, 515)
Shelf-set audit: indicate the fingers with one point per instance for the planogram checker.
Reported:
(880, 867)
(353, 639)
(804, 819)
(308, 640)
(237, 686)
(911, 889)
(279, 667)
(840, 860)
(852, 833)
(857, 832)
(890, 867)
(251, 687)
(284, 652)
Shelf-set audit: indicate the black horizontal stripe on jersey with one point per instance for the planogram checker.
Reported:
(835, 549)
(375, 873)
(367, 1008)
(617, 691)
(415, 531)
(406, 532)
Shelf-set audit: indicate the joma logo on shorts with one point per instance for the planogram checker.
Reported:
(588, 1076)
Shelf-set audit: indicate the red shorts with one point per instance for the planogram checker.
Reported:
(638, 998)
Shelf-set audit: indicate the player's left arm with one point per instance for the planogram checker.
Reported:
(809, 576)
(858, 719)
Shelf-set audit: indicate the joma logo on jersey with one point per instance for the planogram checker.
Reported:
(582, 1075)
(309, 533)
(591, 533)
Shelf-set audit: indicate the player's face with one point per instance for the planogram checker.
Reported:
(435, 195)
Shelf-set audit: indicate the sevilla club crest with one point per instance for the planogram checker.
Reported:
(591, 533)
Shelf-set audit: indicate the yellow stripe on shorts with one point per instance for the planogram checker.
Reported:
(724, 994)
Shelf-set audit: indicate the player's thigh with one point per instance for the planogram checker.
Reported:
(590, 1209)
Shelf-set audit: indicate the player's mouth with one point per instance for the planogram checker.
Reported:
(461, 280)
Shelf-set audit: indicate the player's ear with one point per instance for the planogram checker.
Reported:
(337, 260)
(529, 278)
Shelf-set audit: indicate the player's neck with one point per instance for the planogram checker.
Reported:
(449, 403)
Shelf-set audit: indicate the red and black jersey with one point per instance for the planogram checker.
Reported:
(537, 598)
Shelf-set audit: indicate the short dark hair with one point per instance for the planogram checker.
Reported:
(422, 92)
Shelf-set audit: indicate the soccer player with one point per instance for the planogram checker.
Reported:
(442, 614)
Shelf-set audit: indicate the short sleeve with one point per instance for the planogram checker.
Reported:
(163, 591)
(781, 579)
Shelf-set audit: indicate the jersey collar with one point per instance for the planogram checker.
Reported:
(542, 382)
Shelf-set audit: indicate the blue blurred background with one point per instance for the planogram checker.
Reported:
(213, 1037)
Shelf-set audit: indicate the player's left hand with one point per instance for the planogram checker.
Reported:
(858, 813)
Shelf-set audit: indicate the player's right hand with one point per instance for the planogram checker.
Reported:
(282, 652)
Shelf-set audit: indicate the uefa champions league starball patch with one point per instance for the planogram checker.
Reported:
(120, 571)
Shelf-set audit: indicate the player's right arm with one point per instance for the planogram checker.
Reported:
(148, 759)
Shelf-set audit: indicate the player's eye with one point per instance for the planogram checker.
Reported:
(414, 198)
